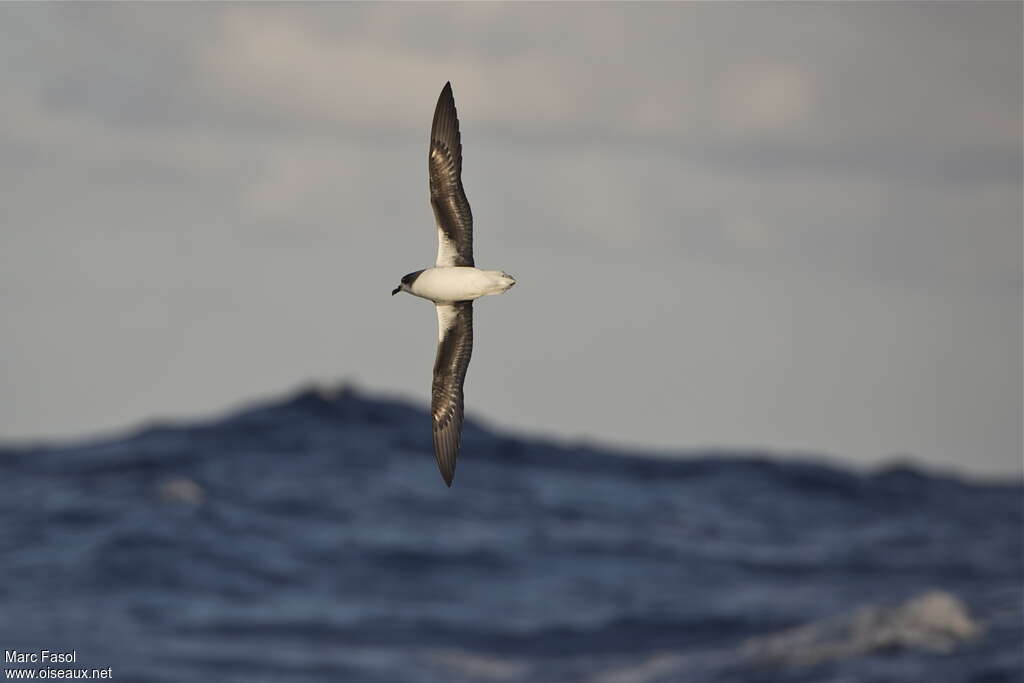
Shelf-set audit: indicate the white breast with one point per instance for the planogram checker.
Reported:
(458, 283)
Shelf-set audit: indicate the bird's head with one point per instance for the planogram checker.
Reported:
(406, 284)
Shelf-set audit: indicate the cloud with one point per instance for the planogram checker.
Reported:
(763, 100)
(173, 159)
(852, 148)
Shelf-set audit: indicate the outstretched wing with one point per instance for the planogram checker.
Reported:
(451, 210)
(454, 347)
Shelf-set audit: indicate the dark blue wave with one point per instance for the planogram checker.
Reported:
(311, 539)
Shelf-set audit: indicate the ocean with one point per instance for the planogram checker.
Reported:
(311, 539)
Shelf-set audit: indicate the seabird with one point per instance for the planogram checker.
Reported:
(452, 284)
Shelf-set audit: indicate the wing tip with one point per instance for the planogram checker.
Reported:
(446, 464)
(446, 450)
(446, 94)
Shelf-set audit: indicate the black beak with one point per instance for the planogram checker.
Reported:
(396, 290)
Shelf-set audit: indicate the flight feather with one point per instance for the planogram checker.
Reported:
(454, 348)
(447, 197)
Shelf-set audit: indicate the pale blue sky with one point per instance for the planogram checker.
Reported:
(790, 226)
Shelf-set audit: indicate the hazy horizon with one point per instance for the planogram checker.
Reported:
(329, 390)
(793, 227)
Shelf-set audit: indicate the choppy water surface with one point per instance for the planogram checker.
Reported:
(313, 540)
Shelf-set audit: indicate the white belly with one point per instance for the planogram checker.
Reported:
(459, 283)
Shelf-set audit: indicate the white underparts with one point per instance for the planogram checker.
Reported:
(447, 253)
(459, 283)
(445, 319)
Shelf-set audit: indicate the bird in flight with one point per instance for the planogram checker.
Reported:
(452, 283)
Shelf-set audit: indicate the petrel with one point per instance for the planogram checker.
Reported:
(452, 283)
